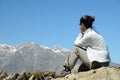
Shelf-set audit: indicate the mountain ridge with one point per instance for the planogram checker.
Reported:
(30, 57)
(33, 57)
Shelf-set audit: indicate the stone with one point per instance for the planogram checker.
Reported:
(104, 73)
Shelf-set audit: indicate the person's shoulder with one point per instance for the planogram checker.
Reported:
(91, 33)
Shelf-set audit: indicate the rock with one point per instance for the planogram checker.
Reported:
(104, 73)
(32, 77)
(12, 77)
(9, 77)
(48, 75)
(3, 74)
(41, 75)
(22, 76)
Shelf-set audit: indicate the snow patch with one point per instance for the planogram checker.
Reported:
(7, 48)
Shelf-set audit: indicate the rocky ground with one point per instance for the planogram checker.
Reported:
(27, 76)
(104, 73)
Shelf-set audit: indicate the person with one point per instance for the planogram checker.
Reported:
(89, 47)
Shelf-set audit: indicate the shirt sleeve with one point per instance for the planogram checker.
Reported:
(82, 40)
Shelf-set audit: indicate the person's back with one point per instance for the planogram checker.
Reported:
(97, 41)
(97, 49)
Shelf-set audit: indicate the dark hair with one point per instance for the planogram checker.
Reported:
(87, 21)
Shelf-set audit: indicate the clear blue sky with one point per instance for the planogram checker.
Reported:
(56, 22)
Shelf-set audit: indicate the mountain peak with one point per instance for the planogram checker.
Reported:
(30, 57)
(59, 48)
(29, 43)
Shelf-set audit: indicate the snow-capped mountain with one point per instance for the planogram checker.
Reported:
(31, 57)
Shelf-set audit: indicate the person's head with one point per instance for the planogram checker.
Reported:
(86, 22)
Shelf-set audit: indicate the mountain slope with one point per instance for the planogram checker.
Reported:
(31, 57)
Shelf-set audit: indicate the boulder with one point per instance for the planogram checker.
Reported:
(104, 73)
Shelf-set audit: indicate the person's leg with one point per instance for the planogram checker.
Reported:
(83, 67)
(76, 53)
(79, 68)
(71, 59)
(83, 56)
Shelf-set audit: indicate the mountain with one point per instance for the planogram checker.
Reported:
(112, 64)
(31, 57)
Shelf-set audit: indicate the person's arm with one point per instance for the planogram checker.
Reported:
(77, 39)
(82, 40)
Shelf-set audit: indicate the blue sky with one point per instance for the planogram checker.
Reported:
(56, 22)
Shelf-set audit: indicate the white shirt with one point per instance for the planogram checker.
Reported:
(96, 46)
